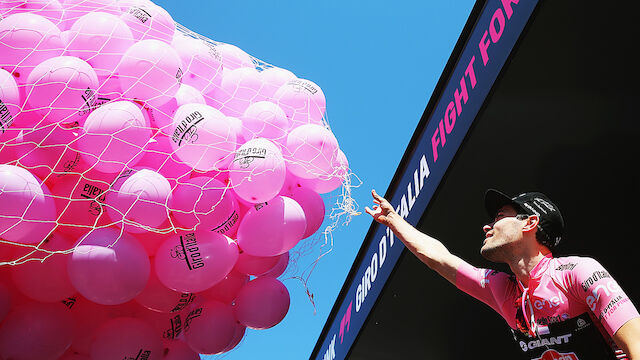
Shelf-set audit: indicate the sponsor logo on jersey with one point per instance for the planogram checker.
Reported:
(567, 266)
(556, 355)
(607, 289)
(597, 275)
(549, 341)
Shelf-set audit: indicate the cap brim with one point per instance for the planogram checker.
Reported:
(494, 200)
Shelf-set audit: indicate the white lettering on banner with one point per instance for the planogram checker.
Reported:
(390, 236)
(413, 188)
(330, 353)
(420, 174)
(371, 273)
(382, 250)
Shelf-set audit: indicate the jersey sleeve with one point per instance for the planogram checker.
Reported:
(590, 282)
(492, 287)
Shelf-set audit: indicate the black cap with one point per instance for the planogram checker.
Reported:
(532, 203)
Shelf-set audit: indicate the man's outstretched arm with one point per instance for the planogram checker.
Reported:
(429, 250)
(628, 338)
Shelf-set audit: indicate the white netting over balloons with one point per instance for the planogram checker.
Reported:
(153, 183)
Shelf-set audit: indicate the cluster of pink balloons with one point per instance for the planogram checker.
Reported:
(152, 183)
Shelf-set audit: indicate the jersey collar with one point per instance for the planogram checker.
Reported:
(541, 267)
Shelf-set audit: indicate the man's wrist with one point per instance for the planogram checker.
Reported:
(393, 220)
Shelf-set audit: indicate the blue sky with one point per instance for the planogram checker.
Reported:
(377, 63)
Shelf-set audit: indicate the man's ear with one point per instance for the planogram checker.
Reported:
(532, 223)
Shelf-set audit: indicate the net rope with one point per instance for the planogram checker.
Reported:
(46, 140)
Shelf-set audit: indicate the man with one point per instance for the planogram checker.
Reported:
(557, 308)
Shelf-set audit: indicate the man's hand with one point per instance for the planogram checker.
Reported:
(382, 212)
(429, 250)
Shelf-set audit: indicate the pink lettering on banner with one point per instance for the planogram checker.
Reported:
(506, 4)
(496, 31)
(496, 28)
(453, 110)
(345, 322)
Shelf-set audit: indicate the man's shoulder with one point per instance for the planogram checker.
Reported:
(571, 263)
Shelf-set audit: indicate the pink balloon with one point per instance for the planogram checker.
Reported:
(26, 40)
(109, 90)
(49, 9)
(9, 101)
(80, 204)
(202, 63)
(202, 137)
(113, 134)
(158, 297)
(211, 327)
(238, 90)
(151, 240)
(26, 119)
(125, 337)
(255, 265)
(100, 39)
(109, 267)
(139, 200)
(71, 355)
(149, 21)
(45, 279)
(227, 289)
(193, 262)
(258, 171)
(169, 326)
(162, 116)
(63, 89)
(27, 214)
(46, 151)
(273, 78)
(150, 71)
(312, 205)
(236, 127)
(128, 309)
(265, 119)
(75, 9)
(280, 267)
(302, 100)
(16, 297)
(87, 317)
(207, 204)
(262, 303)
(238, 334)
(272, 228)
(36, 331)
(311, 151)
(179, 350)
(233, 57)
(5, 301)
(326, 183)
(159, 156)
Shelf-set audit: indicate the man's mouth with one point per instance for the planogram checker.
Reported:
(486, 237)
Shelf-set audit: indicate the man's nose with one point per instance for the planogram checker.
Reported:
(487, 227)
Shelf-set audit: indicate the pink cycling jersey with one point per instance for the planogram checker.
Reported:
(559, 289)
